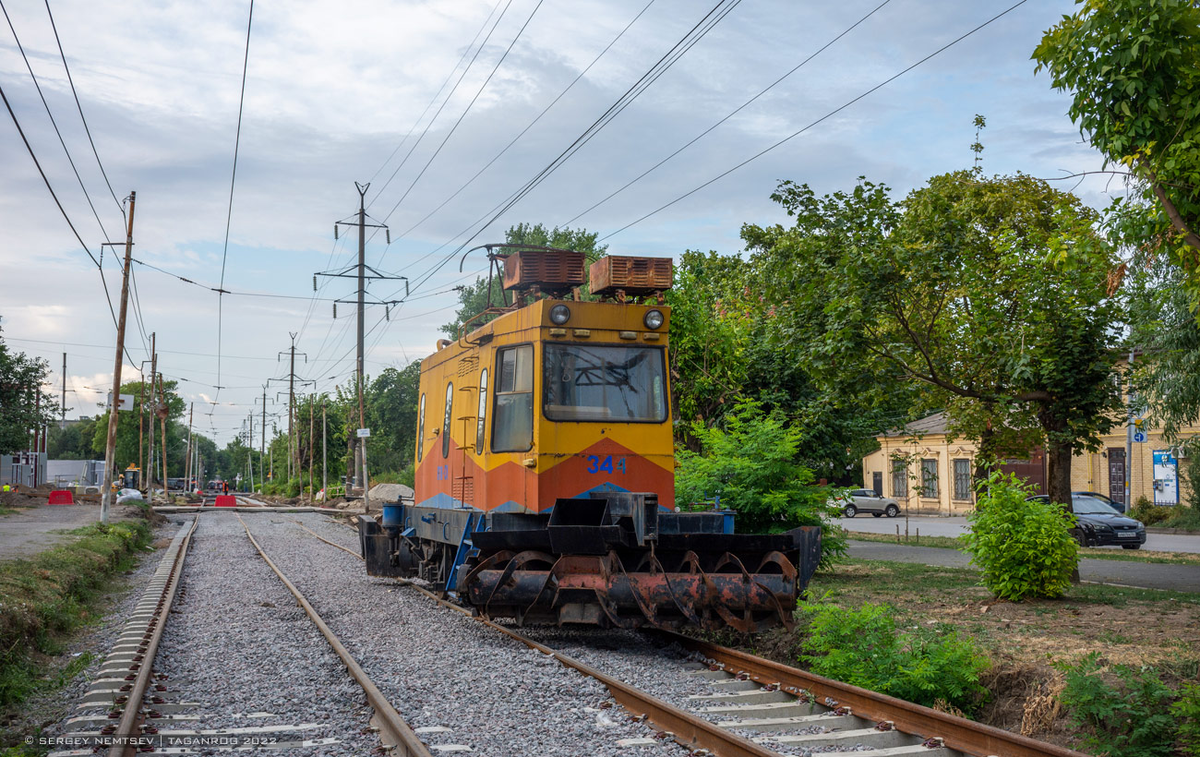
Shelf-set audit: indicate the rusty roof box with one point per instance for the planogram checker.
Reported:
(550, 270)
(633, 276)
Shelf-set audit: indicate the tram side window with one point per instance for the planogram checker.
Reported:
(421, 429)
(446, 421)
(483, 376)
(512, 419)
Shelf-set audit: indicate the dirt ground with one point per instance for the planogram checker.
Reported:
(33, 525)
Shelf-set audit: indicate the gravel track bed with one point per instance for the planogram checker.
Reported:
(629, 656)
(237, 643)
(441, 669)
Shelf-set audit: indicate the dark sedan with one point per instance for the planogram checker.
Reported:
(1101, 525)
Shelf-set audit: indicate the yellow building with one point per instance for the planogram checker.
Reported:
(929, 473)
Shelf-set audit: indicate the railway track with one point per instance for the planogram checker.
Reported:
(760, 707)
(132, 707)
(702, 699)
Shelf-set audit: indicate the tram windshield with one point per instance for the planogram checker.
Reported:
(611, 383)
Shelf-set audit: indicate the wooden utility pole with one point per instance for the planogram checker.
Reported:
(187, 468)
(164, 411)
(148, 471)
(262, 440)
(141, 409)
(110, 447)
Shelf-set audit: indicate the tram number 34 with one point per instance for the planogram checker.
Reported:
(606, 464)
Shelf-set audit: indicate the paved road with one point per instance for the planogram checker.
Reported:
(934, 526)
(1138, 574)
(28, 531)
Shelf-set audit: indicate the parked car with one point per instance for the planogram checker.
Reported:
(858, 501)
(1101, 525)
(1114, 505)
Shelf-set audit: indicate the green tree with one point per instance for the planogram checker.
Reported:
(392, 413)
(128, 432)
(710, 332)
(1164, 331)
(1133, 68)
(750, 466)
(73, 442)
(474, 298)
(24, 404)
(989, 296)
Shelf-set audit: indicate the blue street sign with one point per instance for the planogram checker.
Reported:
(1139, 436)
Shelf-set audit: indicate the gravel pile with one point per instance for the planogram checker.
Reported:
(237, 644)
(442, 670)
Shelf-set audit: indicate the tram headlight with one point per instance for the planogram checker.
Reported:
(560, 314)
(654, 319)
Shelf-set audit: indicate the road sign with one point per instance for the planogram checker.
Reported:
(363, 433)
(125, 401)
(1139, 436)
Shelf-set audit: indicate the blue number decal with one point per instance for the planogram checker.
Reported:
(606, 466)
(594, 464)
(621, 465)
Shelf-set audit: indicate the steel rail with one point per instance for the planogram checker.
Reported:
(129, 727)
(393, 729)
(957, 733)
(327, 541)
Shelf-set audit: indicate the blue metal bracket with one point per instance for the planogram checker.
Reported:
(465, 549)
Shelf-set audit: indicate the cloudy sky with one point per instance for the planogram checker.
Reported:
(334, 88)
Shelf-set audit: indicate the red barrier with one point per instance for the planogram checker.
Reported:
(61, 497)
(226, 500)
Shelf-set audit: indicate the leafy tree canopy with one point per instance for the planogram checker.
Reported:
(24, 404)
(989, 296)
(1133, 68)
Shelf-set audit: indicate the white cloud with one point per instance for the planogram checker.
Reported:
(333, 87)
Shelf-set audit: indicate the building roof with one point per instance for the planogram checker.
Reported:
(930, 424)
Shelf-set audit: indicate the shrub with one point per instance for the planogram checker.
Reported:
(750, 467)
(1182, 517)
(1023, 548)
(863, 647)
(1187, 714)
(292, 489)
(1150, 514)
(1123, 708)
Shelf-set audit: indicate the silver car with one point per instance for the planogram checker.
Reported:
(867, 501)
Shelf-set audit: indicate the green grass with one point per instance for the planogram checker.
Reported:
(44, 598)
(1090, 553)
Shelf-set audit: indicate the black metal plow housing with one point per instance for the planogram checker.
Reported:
(617, 560)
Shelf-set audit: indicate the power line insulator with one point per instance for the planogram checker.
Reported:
(335, 311)
(314, 282)
(388, 233)
(335, 236)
